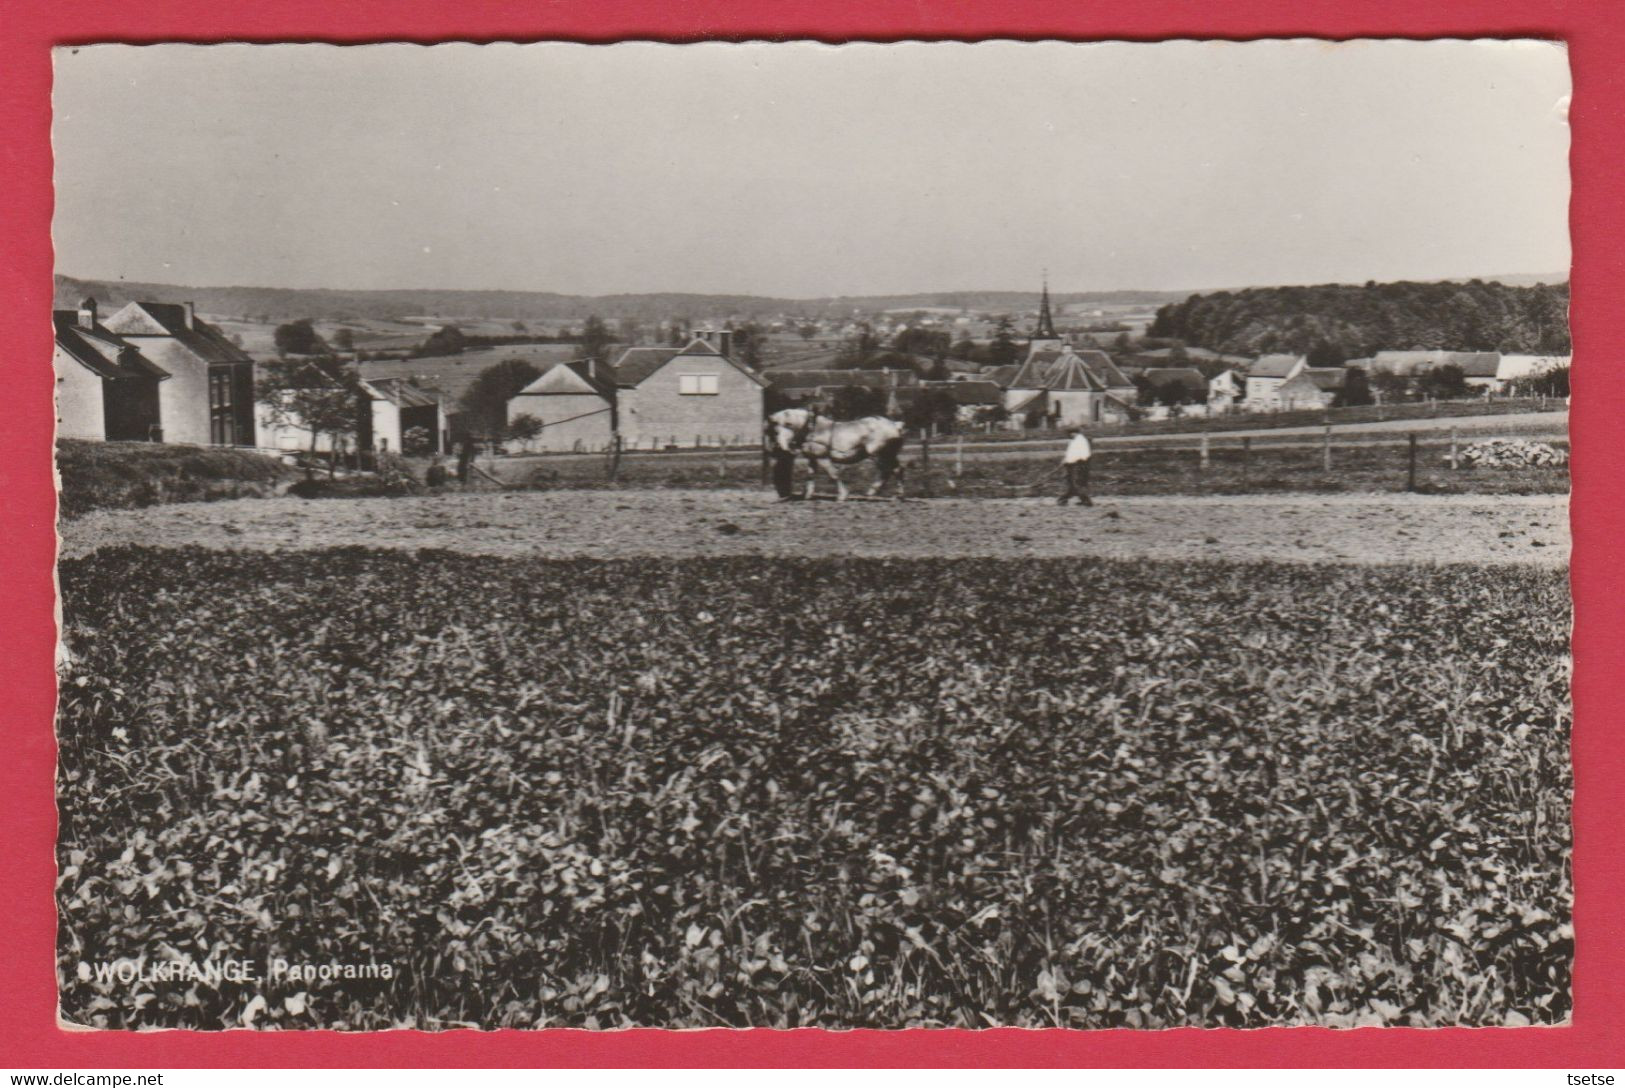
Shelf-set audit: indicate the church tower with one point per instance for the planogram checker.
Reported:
(1044, 338)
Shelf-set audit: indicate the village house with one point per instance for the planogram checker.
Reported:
(1225, 390)
(700, 395)
(1309, 388)
(1510, 368)
(1266, 376)
(105, 388)
(399, 417)
(1058, 387)
(651, 398)
(1415, 362)
(208, 398)
(575, 405)
(1065, 388)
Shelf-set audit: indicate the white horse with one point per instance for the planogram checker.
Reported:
(828, 444)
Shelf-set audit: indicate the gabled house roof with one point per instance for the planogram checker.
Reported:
(1479, 364)
(1274, 366)
(572, 379)
(1328, 379)
(970, 393)
(868, 379)
(630, 372)
(99, 350)
(168, 319)
(1002, 376)
(399, 392)
(1065, 370)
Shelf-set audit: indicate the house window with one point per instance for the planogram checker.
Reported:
(697, 385)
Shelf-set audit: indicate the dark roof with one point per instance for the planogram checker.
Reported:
(1185, 377)
(402, 393)
(169, 319)
(1001, 376)
(1273, 366)
(636, 364)
(1327, 378)
(101, 351)
(969, 392)
(868, 379)
(635, 369)
(201, 338)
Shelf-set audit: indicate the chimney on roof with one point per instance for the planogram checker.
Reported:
(720, 341)
(191, 318)
(87, 313)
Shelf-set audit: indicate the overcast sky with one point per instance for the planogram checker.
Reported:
(805, 170)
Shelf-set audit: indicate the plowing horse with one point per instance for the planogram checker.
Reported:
(829, 444)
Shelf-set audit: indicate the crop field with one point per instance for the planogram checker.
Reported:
(837, 792)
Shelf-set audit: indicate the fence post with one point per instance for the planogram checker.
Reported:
(722, 459)
(767, 464)
(1454, 463)
(959, 456)
(615, 459)
(1204, 453)
(1326, 450)
(1410, 465)
(1246, 458)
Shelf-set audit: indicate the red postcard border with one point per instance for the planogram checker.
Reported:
(1595, 33)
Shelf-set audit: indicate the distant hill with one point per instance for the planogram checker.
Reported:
(284, 303)
(1335, 322)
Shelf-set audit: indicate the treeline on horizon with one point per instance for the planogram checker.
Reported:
(1338, 322)
(278, 304)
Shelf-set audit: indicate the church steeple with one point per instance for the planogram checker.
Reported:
(1046, 325)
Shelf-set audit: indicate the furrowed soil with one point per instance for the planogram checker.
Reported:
(612, 524)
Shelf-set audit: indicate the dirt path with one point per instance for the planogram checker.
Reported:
(1346, 528)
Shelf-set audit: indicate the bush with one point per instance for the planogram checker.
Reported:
(838, 792)
(123, 475)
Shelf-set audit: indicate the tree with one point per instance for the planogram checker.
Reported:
(1123, 343)
(485, 402)
(1356, 389)
(321, 396)
(596, 340)
(964, 349)
(932, 409)
(344, 340)
(298, 338)
(1548, 383)
(1447, 382)
(1390, 387)
(519, 326)
(1002, 352)
(446, 340)
(808, 330)
(748, 340)
(857, 401)
(523, 428)
(859, 348)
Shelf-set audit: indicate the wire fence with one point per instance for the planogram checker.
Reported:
(1425, 461)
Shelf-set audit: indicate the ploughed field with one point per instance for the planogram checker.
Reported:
(655, 523)
(836, 792)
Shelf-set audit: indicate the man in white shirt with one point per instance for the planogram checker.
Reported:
(1075, 463)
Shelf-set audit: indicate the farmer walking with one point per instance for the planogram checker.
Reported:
(1075, 464)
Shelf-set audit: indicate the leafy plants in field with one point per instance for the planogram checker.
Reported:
(831, 792)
